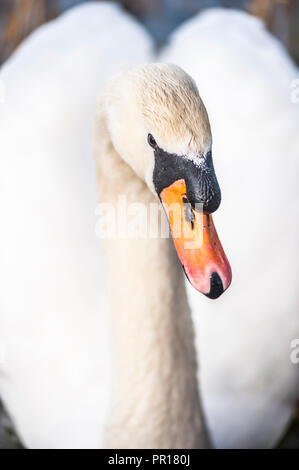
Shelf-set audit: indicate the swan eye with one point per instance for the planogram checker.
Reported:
(152, 141)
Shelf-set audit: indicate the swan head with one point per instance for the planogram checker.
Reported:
(158, 124)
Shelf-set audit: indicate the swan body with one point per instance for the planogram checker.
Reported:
(63, 393)
(54, 377)
(244, 77)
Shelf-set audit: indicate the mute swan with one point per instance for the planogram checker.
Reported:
(54, 374)
(152, 126)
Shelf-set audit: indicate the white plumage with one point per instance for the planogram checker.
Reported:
(54, 377)
(249, 384)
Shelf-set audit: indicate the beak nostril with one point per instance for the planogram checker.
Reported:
(189, 214)
(216, 288)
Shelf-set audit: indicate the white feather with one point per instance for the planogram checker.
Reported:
(52, 323)
(248, 382)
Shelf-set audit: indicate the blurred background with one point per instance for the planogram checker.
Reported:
(18, 18)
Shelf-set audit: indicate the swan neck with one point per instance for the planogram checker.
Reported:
(155, 401)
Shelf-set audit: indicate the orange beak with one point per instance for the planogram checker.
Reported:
(196, 242)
